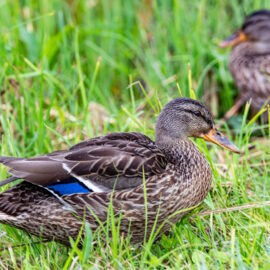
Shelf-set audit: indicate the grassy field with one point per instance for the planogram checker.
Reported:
(70, 70)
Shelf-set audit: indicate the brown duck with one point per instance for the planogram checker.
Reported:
(250, 60)
(61, 190)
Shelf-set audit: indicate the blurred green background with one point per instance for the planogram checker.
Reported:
(127, 41)
(58, 56)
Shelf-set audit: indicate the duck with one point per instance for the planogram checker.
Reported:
(249, 61)
(147, 183)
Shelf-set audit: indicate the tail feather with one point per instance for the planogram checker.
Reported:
(8, 180)
(4, 159)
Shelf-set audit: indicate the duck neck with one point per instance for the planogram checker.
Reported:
(192, 173)
(179, 151)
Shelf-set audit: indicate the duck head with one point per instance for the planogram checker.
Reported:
(255, 30)
(184, 117)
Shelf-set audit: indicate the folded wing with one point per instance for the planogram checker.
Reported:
(118, 160)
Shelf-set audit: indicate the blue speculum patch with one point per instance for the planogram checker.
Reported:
(69, 188)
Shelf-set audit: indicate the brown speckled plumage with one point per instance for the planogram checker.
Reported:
(250, 60)
(177, 176)
(252, 77)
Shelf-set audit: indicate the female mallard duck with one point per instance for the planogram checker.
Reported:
(63, 188)
(250, 60)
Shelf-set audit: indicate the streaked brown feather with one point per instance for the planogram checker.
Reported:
(252, 79)
(117, 156)
(250, 61)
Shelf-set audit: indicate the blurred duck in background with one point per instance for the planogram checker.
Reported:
(250, 62)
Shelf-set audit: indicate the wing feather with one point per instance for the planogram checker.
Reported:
(116, 155)
(101, 161)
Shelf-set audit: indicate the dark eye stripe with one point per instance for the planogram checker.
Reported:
(198, 114)
(197, 106)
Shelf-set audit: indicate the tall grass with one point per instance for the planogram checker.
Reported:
(75, 69)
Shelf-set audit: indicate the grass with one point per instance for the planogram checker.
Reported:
(75, 69)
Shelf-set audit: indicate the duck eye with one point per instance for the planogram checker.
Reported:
(197, 113)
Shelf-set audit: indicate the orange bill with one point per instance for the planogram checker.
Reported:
(233, 40)
(216, 137)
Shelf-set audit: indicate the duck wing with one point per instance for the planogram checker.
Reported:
(117, 160)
